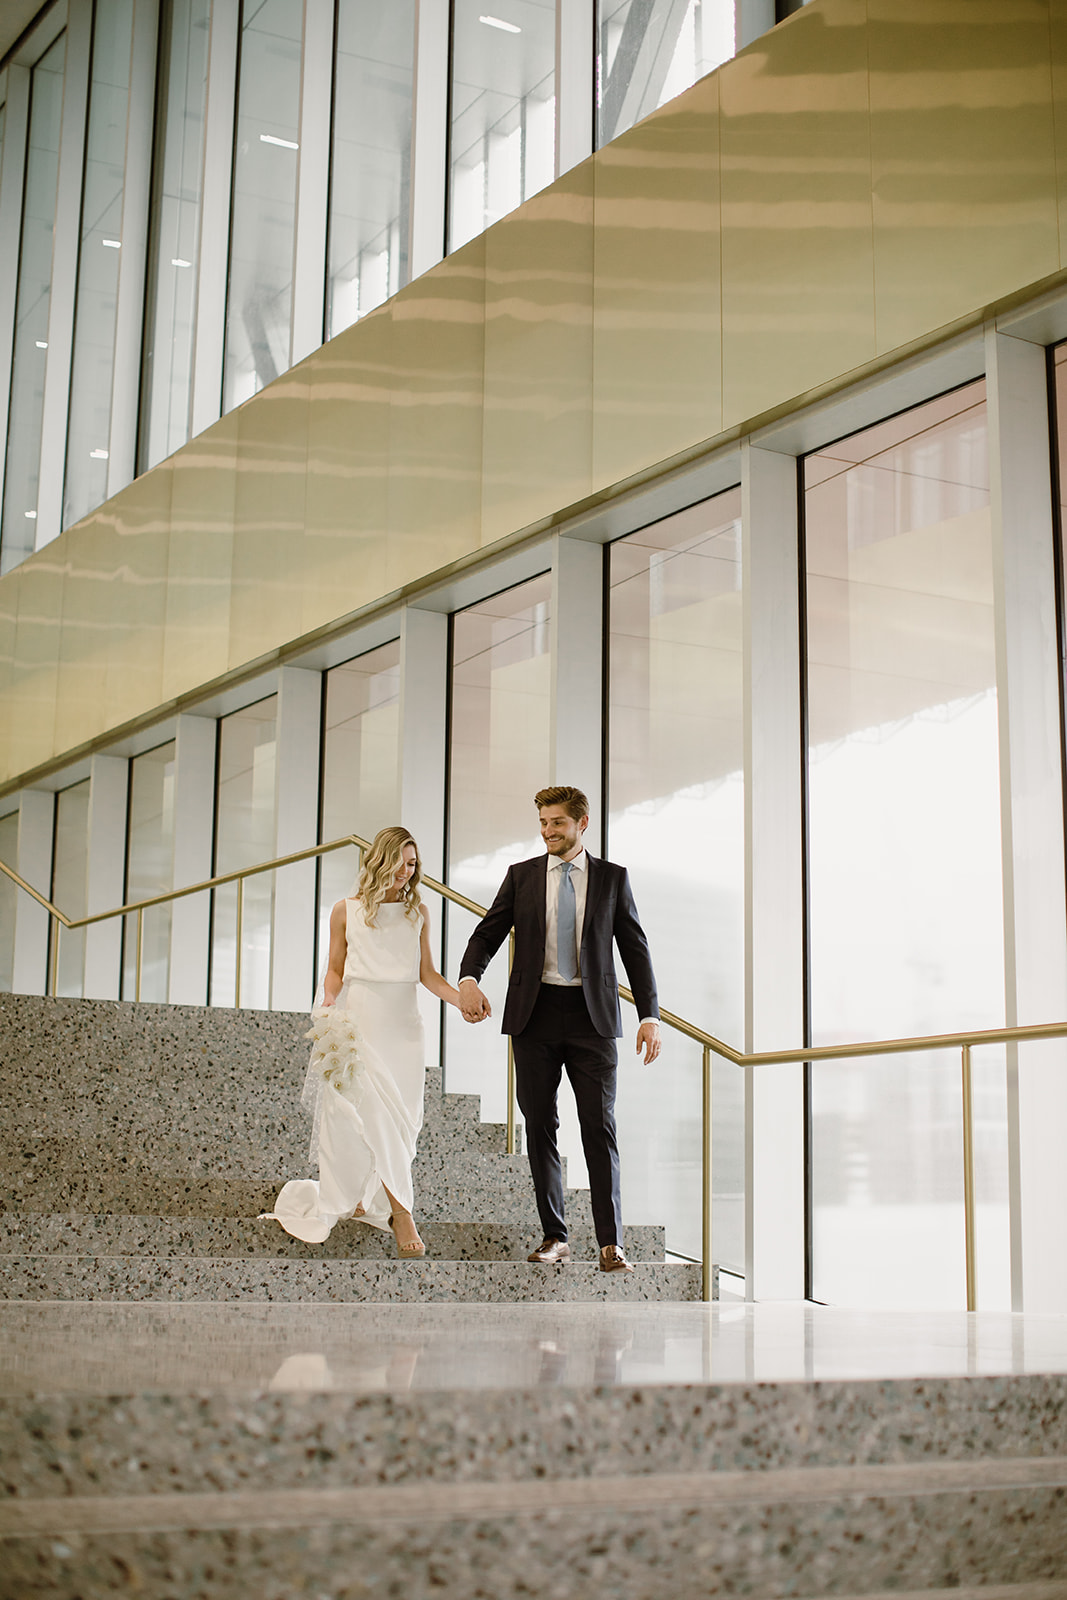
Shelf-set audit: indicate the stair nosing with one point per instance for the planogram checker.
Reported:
(486, 1500)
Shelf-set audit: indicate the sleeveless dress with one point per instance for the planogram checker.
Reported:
(365, 1082)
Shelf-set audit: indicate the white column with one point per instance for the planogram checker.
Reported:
(194, 819)
(751, 18)
(313, 181)
(575, 82)
(774, 909)
(1031, 803)
(136, 193)
(65, 242)
(577, 655)
(215, 214)
(292, 982)
(37, 816)
(423, 769)
(12, 173)
(429, 136)
(423, 732)
(105, 874)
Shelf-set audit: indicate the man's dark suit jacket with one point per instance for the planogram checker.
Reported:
(610, 914)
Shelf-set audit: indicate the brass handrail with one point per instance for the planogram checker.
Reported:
(965, 1041)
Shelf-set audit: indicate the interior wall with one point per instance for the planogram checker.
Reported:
(851, 183)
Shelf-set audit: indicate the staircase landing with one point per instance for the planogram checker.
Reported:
(641, 1451)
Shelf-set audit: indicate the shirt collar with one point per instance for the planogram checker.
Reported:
(578, 864)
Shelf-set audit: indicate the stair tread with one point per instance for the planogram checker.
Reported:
(274, 1278)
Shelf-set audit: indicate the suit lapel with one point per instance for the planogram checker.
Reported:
(593, 890)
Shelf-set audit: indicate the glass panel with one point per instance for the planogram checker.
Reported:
(264, 199)
(9, 853)
(244, 836)
(371, 167)
(498, 761)
(676, 821)
(31, 315)
(360, 768)
(503, 110)
(70, 881)
(904, 851)
(149, 871)
(93, 360)
(175, 229)
(650, 50)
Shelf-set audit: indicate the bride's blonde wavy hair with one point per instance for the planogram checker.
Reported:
(380, 866)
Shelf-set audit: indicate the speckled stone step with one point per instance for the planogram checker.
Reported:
(115, 1235)
(208, 1278)
(858, 1531)
(319, 1408)
(466, 1188)
(201, 1086)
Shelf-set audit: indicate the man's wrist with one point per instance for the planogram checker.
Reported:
(467, 979)
(648, 1019)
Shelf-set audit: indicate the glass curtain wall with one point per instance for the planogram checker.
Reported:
(259, 300)
(99, 251)
(676, 822)
(498, 759)
(360, 768)
(650, 50)
(175, 229)
(149, 871)
(9, 850)
(503, 136)
(904, 853)
(371, 165)
(22, 461)
(70, 882)
(245, 830)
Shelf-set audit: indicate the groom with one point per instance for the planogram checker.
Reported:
(562, 1008)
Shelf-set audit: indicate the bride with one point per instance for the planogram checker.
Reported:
(365, 1081)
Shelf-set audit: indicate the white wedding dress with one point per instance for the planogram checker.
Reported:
(365, 1082)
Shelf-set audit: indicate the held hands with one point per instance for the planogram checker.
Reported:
(473, 1003)
(648, 1038)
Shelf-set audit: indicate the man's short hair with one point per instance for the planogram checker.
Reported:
(573, 801)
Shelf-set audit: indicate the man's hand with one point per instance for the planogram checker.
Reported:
(473, 1003)
(648, 1039)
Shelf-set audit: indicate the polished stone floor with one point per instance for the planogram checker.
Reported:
(95, 1348)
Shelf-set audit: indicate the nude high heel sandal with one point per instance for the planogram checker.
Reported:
(410, 1251)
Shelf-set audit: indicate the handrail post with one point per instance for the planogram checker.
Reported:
(140, 949)
(511, 1064)
(970, 1231)
(238, 935)
(705, 1179)
(53, 964)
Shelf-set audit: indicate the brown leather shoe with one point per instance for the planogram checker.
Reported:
(613, 1260)
(551, 1251)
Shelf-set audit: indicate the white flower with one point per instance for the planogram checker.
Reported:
(336, 1046)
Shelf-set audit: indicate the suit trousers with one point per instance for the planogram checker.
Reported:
(560, 1036)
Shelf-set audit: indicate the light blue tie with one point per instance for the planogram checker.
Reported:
(566, 942)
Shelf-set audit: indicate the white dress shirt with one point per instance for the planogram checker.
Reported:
(553, 878)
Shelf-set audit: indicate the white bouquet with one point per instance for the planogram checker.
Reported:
(337, 1046)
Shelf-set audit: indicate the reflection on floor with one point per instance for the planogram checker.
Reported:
(101, 1348)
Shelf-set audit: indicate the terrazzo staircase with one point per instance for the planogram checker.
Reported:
(141, 1142)
(351, 1452)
